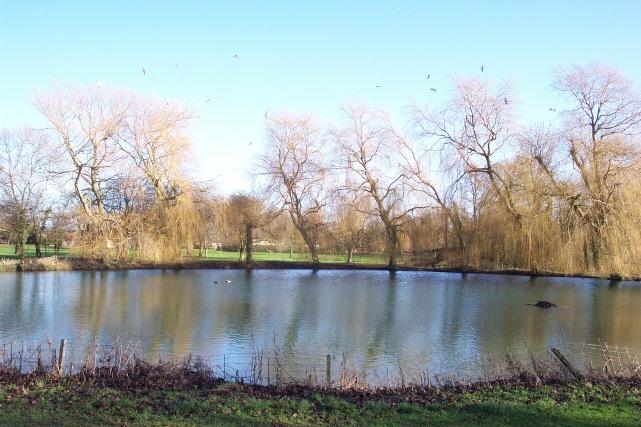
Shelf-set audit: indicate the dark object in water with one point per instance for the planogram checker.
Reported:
(544, 304)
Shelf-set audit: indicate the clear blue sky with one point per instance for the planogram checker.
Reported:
(300, 56)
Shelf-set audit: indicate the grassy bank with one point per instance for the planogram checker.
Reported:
(42, 400)
(115, 387)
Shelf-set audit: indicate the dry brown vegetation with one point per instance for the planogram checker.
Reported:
(119, 364)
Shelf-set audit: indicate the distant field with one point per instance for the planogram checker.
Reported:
(7, 251)
(284, 256)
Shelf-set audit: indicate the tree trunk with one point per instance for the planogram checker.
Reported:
(595, 243)
(37, 243)
(350, 253)
(249, 243)
(445, 229)
(309, 241)
(314, 253)
(311, 244)
(392, 247)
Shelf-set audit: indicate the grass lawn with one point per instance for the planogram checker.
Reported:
(230, 404)
(296, 257)
(7, 251)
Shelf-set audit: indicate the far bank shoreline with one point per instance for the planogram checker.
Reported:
(83, 264)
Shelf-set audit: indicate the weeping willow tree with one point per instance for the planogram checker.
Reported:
(158, 144)
(556, 198)
(125, 158)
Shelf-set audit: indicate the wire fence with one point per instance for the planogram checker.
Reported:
(273, 367)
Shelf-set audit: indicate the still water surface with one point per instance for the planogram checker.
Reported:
(441, 320)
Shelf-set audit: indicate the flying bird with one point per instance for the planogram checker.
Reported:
(433, 90)
(144, 72)
(266, 111)
(379, 86)
(482, 68)
(505, 100)
(251, 142)
(235, 56)
(208, 100)
(428, 76)
(552, 109)
(99, 84)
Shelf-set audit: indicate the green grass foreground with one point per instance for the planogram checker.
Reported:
(69, 403)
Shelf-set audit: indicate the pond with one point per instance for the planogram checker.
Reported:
(376, 320)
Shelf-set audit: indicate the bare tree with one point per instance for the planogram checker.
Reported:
(474, 128)
(293, 164)
(89, 122)
(125, 157)
(605, 112)
(24, 175)
(352, 220)
(157, 142)
(60, 229)
(439, 184)
(244, 214)
(206, 205)
(369, 148)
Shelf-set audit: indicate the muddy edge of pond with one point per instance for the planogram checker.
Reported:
(79, 264)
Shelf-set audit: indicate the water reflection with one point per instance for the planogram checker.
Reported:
(377, 318)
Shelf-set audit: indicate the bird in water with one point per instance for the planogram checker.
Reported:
(227, 281)
(543, 304)
(505, 100)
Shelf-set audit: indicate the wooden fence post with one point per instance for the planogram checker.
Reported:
(328, 370)
(61, 356)
(40, 364)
